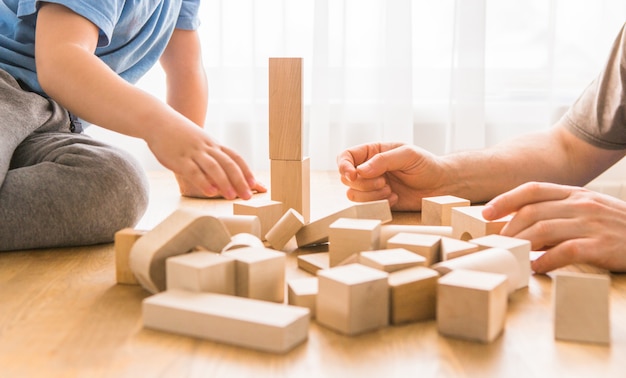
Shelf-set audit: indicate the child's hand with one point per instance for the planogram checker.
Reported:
(203, 167)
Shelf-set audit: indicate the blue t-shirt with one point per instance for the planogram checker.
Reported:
(133, 33)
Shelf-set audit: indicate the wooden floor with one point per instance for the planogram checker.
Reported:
(62, 315)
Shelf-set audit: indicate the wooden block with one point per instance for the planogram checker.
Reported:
(201, 272)
(412, 295)
(268, 212)
(390, 260)
(239, 224)
(317, 232)
(183, 230)
(468, 223)
(285, 109)
(124, 241)
(437, 211)
(291, 185)
(243, 322)
(453, 248)
(472, 305)
(352, 299)
(286, 228)
(303, 292)
(243, 240)
(492, 260)
(581, 307)
(520, 248)
(422, 244)
(314, 262)
(260, 273)
(374, 210)
(348, 236)
(389, 230)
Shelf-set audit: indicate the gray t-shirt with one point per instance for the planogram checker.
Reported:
(599, 114)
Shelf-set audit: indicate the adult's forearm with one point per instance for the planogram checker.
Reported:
(553, 155)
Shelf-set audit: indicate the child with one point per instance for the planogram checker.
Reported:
(67, 60)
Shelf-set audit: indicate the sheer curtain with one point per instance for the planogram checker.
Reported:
(446, 75)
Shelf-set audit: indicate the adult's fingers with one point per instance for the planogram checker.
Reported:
(573, 251)
(523, 195)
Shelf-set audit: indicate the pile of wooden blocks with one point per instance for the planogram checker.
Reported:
(219, 277)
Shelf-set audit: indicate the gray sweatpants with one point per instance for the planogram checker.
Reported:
(58, 188)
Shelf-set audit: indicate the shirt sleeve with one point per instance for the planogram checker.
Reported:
(103, 14)
(599, 115)
(188, 17)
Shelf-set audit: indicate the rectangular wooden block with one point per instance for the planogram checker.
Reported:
(303, 292)
(352, 299)
(374, 210)
(452, 248)
(468, 223)
(387, 231)
(285, 109)
(248, 323)
(237, 224)
(124, 241)
(268, 211)
(520, 248)
(287, 226)
(437, 210)
(425, 245)
(201, 272)
(314, 262)
(472, 305)
(260, 273)
(316, 232)
(581, 307)
(349, 236)
(291, 185)
(412, 295)
(390, 260)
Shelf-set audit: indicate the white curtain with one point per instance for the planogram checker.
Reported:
(446, 75)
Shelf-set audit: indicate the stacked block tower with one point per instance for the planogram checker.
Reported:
(290, 168)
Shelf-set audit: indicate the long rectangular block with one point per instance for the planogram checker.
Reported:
(285, 109)
(249, 323)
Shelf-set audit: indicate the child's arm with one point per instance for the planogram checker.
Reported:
(188, 94)
(70, 73)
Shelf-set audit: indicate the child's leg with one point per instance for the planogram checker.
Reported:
(67, 189)
(21, 113)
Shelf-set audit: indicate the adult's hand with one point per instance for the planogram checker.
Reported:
(573, 224)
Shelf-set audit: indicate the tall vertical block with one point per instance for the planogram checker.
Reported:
(285, 109)
(291, 185)
(581, 307)
(352, 299)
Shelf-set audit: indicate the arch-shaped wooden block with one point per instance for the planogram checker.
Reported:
(179, 233)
